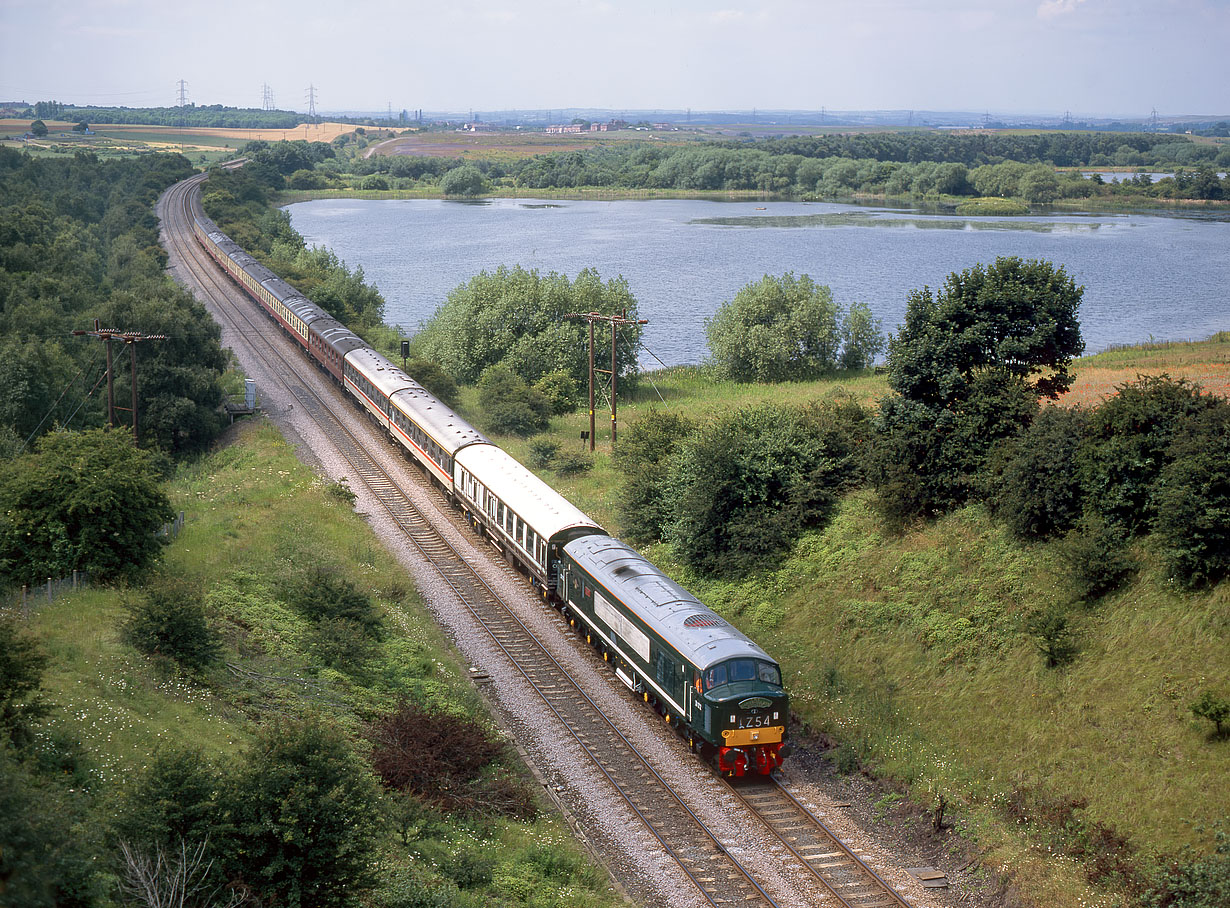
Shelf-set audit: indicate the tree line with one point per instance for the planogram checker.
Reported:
(79, 242)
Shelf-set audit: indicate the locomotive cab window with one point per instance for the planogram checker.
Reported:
(742, 670)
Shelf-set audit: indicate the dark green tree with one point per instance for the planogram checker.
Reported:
(1017, 317)
(466, 180)
(433, 377)
(82, 501)
(22, 664)
(1039, 493)
(1129, 446)
(302, 811)
(38, 128)
(967, 369)
(1214, 708)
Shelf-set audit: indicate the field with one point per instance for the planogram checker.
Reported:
(516, 144)
(203, 144)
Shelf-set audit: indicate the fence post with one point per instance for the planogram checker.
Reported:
(25, 607)
(48, 589)
(74, 581)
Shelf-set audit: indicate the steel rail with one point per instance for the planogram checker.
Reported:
(517, 642)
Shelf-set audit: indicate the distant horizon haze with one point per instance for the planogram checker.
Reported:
(1105, 58)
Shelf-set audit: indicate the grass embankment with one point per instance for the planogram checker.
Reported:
(255, 516)
(911, 652)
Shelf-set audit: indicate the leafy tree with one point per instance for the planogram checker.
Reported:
(777, 329)
(961, 369)
(517, 318)
(169, 620)
(560, 391)
(511, 406)
(862, 338)
(302, 812)
(1018, 317)
(1193, 502)
(466, 180)
(49, 855)
(82, 501)
(81, 126)
(38, 128)
(1214, 708)
(1097, 556)
(174, 799)
(745, 485)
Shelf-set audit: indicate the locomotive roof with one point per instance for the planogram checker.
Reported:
(547, 512)
(379, 371)
(681, 619)
(437, 419)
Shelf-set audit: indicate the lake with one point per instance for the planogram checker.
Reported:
(1146, 276)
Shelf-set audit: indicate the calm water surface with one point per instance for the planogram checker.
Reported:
(1145, 275)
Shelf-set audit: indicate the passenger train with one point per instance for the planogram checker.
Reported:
(712, 683)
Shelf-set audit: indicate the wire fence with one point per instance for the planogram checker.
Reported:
(29, 596)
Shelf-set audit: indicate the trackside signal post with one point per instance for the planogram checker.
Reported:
(130, 338)
(615, 321)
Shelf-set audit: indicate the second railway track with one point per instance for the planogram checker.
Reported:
(719, 877)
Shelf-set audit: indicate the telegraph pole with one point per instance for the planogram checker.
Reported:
(130, 338)
(615, 321)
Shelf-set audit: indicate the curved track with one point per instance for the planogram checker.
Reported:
(718, 876)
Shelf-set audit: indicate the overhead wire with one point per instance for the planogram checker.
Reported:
(72, 381)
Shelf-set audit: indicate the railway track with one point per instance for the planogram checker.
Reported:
(719, 877)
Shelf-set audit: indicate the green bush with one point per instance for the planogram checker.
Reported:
(1193, 501)
(22, 664)
(168, 619)
(643, 453)
(321, 594)
(510, 405)
(542, 452)
(1098, 557)
(745, 485)
(1039, 492)
(572, 463)
(560, 391)
(434, 378)
(1129, 446)
(1194, 881)
(1214, 708)
(1053, 637)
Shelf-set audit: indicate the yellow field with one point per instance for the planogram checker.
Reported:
(174, 137)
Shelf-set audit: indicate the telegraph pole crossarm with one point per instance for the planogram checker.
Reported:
(131, 338)
(615, 321)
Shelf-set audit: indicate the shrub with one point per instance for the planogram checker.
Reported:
(1039, 493)
(1194, 881)
(434, 378)
(511, 406)
(1193, 501)
(559, 389)
(169, 620)
(1130, 437)
(542, 452)
(642, 453)
(744, 486)
(174, 799)
(1098, 558)
(320, 594)
(1053, 637)
(342, 643)
(374, 182)
(1214, 708)
(573, 463)
(22, 664)
(303, 812)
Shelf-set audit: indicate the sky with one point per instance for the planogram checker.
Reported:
(1120, 58)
